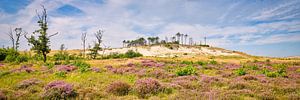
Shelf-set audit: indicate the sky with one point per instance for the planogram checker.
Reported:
(257, 27)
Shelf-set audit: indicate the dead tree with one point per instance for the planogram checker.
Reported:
(15, 37)
(83, 39)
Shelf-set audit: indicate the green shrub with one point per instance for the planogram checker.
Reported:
(49, 64)
(82, 66)
(22, 58)
(240, 72)
(3, 54)
(188, 70)
(132, 54)
(213, 62)
(252, 67)
(11, 58)
(278, 73)
(128, 54)
(61, 74)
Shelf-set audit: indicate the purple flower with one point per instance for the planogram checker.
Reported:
(66, 68)
(59, 89)
(1, 65)
(29, 82)
(232, 66)
(108, 67)
(209, 79)
(130, 65)
(26, 68)
(146, 87)
(95, 69)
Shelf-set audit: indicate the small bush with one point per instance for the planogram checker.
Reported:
(59, 90)
(22, 58)
(280, 72)
(61, 74)
(66, 68)
(132, 54)
(27, 83)
(213, 62)
(11, 58)
(188, 70)
(252, 67)
(83, 66)
(49, 65)
(118, 88)
(147, 87)
(240, 72)
(3, 54)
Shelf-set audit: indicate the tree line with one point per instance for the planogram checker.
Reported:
(178, 38)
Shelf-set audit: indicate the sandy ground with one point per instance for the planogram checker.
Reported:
(162, 51)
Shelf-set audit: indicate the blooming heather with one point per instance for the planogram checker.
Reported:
(95, 69)
(29, 82)
(147, 87)
(209, 79)
(59, 90)
(66, 68)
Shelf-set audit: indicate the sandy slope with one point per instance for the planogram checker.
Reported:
(162, 51)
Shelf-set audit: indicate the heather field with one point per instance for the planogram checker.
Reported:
(149, 50)
(203, 77)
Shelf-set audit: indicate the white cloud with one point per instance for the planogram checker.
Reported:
(120, 18)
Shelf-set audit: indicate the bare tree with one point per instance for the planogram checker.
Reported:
(15, 37)
(83, 39)
(99, 35)
(12, 38)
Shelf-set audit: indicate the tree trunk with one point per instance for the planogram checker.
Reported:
(45, 56)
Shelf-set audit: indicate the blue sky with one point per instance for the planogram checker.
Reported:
(258, 27)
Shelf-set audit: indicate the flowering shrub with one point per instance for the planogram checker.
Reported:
(189, 70)
(249, 77)
(147, 87)
(123, 70)
(189, 82)
(209, 79)
(118, 88)
(130, 65)
(158, 73)
(59, 90)
(232, 66)
(29, 82)
(95, 69)
(26, 68)
(66, 68)
(108, 67)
